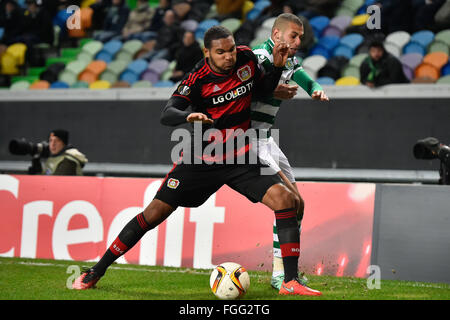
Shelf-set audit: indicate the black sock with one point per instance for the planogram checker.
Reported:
(289, 239)
(128, 237)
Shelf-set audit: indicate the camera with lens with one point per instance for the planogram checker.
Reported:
(24, 147)
(431, 148)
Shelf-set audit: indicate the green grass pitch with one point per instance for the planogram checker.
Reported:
(36, 279)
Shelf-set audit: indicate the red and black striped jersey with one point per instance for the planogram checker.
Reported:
(224, 98)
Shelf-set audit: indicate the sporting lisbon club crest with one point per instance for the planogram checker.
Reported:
(244, 73)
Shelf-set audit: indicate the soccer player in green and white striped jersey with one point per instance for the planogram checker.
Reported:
(287, 28)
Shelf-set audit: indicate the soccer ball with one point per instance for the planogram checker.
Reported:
(229, 281)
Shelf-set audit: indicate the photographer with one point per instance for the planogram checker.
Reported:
(63, 158)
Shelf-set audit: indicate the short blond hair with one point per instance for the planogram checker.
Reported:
(283, 18)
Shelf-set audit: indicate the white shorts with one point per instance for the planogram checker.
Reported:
(270, 153)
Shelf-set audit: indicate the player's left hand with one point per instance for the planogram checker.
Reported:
(319, 95)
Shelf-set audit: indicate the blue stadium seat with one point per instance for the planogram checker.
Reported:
(163, 84)
(325, 81)
(329, 42)
(352, 40)
(129, 77)
(414, 47)
(59, 85)
(320, 50)
(137, 66)
(319, 23)
(445, 70)
(424, 37)
(343, 51)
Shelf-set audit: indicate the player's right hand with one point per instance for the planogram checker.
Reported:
(198, 116)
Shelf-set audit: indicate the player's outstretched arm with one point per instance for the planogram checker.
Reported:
(174, 113)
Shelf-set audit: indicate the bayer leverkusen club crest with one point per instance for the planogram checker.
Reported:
(173, 183)
(244, 73)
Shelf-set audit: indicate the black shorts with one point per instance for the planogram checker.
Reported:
(190, 185)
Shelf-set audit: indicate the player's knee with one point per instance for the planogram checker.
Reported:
(285, 199)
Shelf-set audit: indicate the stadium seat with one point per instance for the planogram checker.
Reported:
(18, 51)
(20, 85)
(167, 74)
(313, 64)
(80, 85)
(321, 51)
(59, 85)
(409, 73)
(231, 24)
(99, 85)
(120, 84)
(347, 81)
(445, 70)
(92, 71)
(189, 25)
(360, 19)
(9, 64)
(39, 85)
(399, 38)
(203, 26)
(436, 59)
(411, 60)
(358, 59)
(443, 36)
(444, 80)
(70, 52)
(158, 65)
(414, 47)
(325, 81)
(333, 67)
(319, 23)
(35, 71)
(142, 84)
(341, 22)
(351, 71)
(163, 84)
(393, 49)
(329, 42)
(352, 40)
(51, 74)
(128, 50)
(425, 70)
(68, 77)
(60, 18)
(438, 46)
(344, 51)
(332, 31)
(424, 37)
(113, 71)
(352, 5)
(423, 80)
(151, 76)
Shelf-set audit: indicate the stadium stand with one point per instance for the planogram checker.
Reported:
(340, 45)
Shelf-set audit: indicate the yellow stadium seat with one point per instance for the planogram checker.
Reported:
(360, 20)
(18, 50)
(347, 81)
(9, 64)
(99, 85)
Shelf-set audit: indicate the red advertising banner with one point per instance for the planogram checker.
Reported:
(77, 218)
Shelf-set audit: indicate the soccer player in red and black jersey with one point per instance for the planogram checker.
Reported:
(218, 92)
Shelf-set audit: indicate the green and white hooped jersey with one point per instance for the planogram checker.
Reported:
(263, 112)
